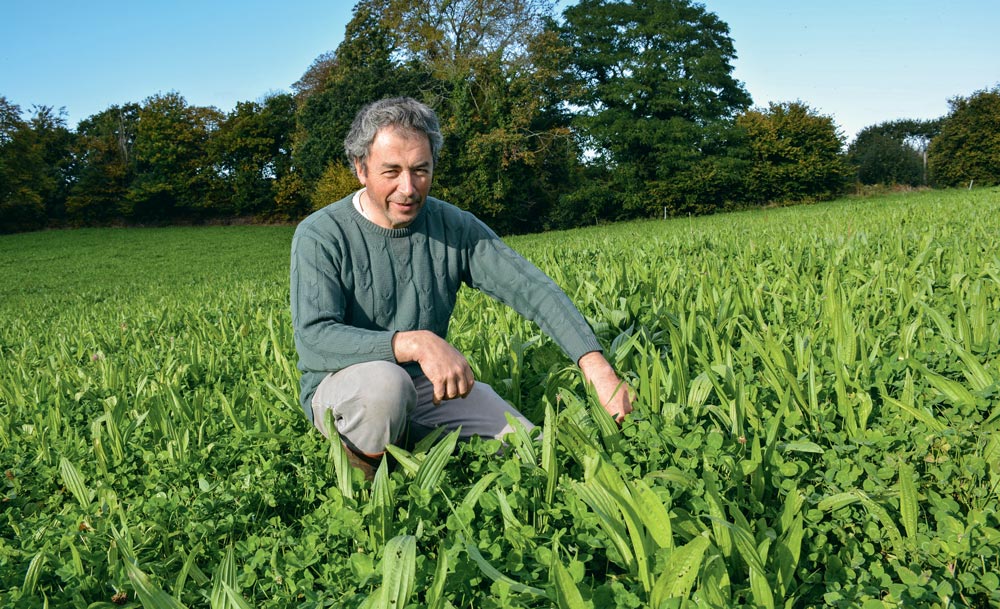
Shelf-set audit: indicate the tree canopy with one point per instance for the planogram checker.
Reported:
(967, 151)
(621, 109)
(795, 154)
(655, 93)
(893, 152)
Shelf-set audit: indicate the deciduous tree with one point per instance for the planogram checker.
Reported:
(796, 154)
(968, 149)
(34, 167)
(104, 167)
(174, 173)
(657, 97)
(252, 151)
(450, 36)
(361, 70)
(509, 153)
(893, 152)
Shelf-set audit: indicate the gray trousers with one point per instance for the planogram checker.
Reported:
(373, 403)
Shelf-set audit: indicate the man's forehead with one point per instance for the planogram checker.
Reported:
(406, 133)
(384, 138)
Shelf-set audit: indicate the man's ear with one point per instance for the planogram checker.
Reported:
(359, 171)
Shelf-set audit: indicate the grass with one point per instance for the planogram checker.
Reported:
(816, 424)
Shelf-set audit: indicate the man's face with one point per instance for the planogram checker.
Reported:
(398, 177)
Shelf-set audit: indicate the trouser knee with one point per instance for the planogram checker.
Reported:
(370, 404)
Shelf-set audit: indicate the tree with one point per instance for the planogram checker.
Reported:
(54, 141)
(449, 36)
(34, 167)
(795, 154)
(489, 69)
(175, 178)
(968, 147)
(251, 151)
(893, 152)
(360, 71)
(494, 75)
(21, 207)
(105, 166)
(509, 153)
(656, 99)
(881, 159)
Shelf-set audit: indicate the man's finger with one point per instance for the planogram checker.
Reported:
(464, 385)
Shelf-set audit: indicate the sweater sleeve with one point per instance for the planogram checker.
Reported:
(325, 341)
(502, 273)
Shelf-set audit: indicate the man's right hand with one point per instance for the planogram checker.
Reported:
(445, 366)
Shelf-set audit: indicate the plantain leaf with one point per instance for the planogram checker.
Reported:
(682, 569)
(908, 503)
(399, 569)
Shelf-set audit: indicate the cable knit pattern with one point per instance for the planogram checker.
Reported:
(354, 284)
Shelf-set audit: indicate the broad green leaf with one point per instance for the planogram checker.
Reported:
(978, 376)
(550, 463)
(792, 507)
(715, 588)
(491, 572)
(472, 496)
(919, 414)
(382, 504)
(234, 598)
(653, 514)
(567, 594)
(679, 576)
(745, 545)
(953, 390)
(521, 441)
(225, 586)
(886, 522)
(34, 571)
(435, 594)
(189, 568)
(406, 461)
(75, 483)
(908, 503)
(788, 550)
(716, 511)
(839, 500)
(399, 568)
(432, 469)
(150, 595)
(338, 454)
(761, 588)
(803, 447)
(610, 518)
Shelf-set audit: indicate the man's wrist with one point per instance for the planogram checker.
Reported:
(594, 365)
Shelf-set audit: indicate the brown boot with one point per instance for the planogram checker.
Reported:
(366, 464)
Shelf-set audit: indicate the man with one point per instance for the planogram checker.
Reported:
(374, 279)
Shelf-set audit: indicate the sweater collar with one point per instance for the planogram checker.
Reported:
(369, 226)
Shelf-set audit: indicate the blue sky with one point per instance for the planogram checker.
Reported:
(860, 62)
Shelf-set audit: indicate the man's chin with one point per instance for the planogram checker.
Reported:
(405, 215)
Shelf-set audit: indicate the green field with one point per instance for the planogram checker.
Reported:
(817, 425)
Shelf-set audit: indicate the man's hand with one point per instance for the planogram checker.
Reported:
(446, 368)
(611, 391)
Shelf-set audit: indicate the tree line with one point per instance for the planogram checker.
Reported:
(621, 109)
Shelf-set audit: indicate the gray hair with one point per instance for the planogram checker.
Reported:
(398, 112)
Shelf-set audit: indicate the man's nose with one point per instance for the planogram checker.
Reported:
(406, 183)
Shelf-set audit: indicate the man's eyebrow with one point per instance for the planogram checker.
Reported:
(387, 165)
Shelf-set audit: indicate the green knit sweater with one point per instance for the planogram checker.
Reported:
(355, 284)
